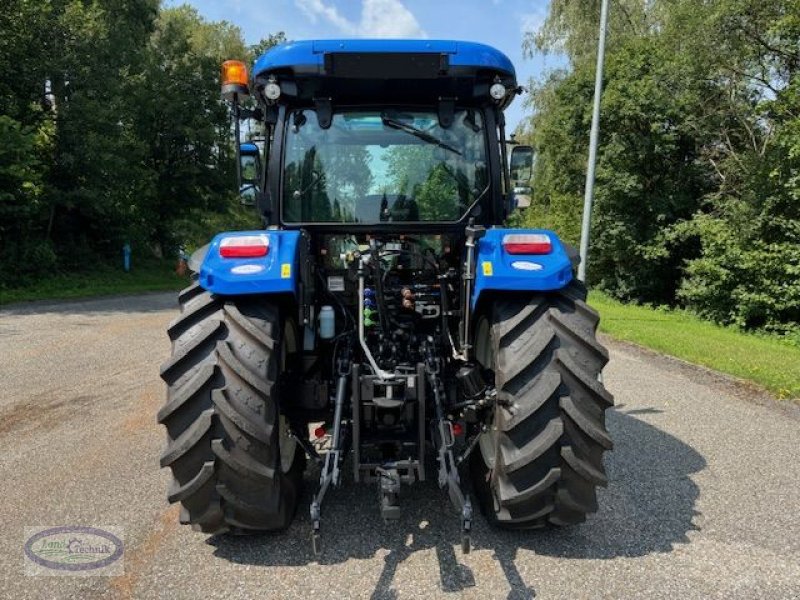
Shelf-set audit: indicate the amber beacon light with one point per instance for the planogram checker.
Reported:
(234, 78)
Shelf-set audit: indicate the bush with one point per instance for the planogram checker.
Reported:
(741, 279)
(26, 261)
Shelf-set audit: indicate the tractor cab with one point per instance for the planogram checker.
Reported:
(404, 134)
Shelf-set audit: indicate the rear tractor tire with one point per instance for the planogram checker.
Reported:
(234, 465)
(542, 458)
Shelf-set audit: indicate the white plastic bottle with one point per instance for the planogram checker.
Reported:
(327, 323)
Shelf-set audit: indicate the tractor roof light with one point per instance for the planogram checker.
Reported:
(497, 91)
(244, 246)
(527, 243)
(272, 91)
(234, 79)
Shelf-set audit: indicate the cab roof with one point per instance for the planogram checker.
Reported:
(418, 71)
(309, 57)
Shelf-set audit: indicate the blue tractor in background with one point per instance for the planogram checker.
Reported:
(384, 304)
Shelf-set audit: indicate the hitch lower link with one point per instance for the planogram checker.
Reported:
(331, 468)
(448, 466)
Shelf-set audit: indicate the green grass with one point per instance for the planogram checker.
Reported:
(149, 276)
(768, 361)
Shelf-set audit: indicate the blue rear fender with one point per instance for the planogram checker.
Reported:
(497, 270)
(275, 273)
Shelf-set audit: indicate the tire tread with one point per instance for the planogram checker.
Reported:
(550, 429)
(220, 415)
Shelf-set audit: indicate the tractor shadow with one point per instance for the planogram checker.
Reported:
(648, 507)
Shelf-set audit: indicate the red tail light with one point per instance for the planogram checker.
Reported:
(527, 243)
(244, 246)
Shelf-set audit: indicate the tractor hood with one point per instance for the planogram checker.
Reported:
(386, 71)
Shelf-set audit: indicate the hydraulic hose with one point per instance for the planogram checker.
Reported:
(380, 373)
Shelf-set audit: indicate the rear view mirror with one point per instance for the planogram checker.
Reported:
(250, 172)
(522, 196)
(248, 194)
(521, 165)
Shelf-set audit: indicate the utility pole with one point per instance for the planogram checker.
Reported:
(588, 197)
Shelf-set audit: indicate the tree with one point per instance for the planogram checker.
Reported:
(112, 129)
(189, 129)
(73, 98)
(437, 197)
(696, 198)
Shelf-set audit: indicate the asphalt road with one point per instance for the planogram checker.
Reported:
(703, 500)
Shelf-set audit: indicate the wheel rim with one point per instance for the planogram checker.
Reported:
(287, 445)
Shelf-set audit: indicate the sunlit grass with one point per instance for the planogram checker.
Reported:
(768, 361)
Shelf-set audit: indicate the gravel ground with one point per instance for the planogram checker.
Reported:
(703, 500)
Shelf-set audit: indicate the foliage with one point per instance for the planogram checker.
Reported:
(438, 198)
(571, 26)
(112, 130)
(697, 197)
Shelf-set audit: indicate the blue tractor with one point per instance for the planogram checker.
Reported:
(384, 304)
